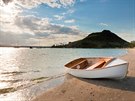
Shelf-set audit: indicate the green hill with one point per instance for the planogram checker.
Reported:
(104, 39)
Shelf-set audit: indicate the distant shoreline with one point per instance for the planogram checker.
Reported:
(31, 47)
(27, 46)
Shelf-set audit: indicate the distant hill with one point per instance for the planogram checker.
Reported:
(104, 39)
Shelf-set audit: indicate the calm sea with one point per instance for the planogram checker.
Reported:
(26, 73)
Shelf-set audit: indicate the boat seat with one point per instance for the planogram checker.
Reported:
(81, 65)
(108, 61)
(96, 65)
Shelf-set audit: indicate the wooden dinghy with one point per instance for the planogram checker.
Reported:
(98, 67)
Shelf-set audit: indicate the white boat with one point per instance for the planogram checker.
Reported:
(98, 67)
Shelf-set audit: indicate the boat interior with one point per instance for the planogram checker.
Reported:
(89, 63)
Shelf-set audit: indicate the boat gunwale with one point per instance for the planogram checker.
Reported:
(86, 59)
(99, 68)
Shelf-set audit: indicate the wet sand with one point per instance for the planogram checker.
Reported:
(76, 89)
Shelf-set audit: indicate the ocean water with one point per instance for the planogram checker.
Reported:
(26, 73)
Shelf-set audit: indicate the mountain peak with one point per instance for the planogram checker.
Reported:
(106, 31)
(104, 39)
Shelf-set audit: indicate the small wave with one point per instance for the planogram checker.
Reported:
(7, 90)
(23, 84)
(11, 81)
(39, 80)
(46, 78)
(51, 77)
(14, 72)
(17, 72)
(35, 71)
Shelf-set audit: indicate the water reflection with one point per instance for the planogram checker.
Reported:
(8, 70)
(8, 59)
(23, 72)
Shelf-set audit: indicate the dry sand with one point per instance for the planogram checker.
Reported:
(75, 89)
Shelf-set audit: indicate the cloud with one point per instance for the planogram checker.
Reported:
(34, 3)
(128, 35)
(70, 11)
(58, 17)
(35, 25)
(9, 38)
(104, 24)
(7, 1)
(74, 27)
(83, 0)
(31, 29)
(57, 39)
(19, 29)
(67, 2)
(42, 25)
(64, 14)
(58, 29)
(69, 21)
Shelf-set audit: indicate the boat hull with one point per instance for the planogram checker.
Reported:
(116, 71)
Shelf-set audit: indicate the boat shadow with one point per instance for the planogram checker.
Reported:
(126, 84)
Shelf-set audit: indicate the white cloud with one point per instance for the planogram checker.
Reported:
(29, 29)
(59, 38)
(9, 38)
(42, 26)
(126, 34)
(7, 1)
(70, 11)
(17, 29)
(83, 0)
(104, 24)
(58, 17)
(67, 2)
(64, 14)
(34, 3)
(74, 27)
(69, 21)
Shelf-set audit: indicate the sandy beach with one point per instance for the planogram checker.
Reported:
(76, 89)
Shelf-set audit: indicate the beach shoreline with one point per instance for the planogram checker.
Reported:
(76, 89)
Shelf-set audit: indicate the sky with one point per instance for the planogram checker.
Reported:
(49, 22)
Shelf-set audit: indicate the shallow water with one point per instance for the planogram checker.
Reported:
(25, 73)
